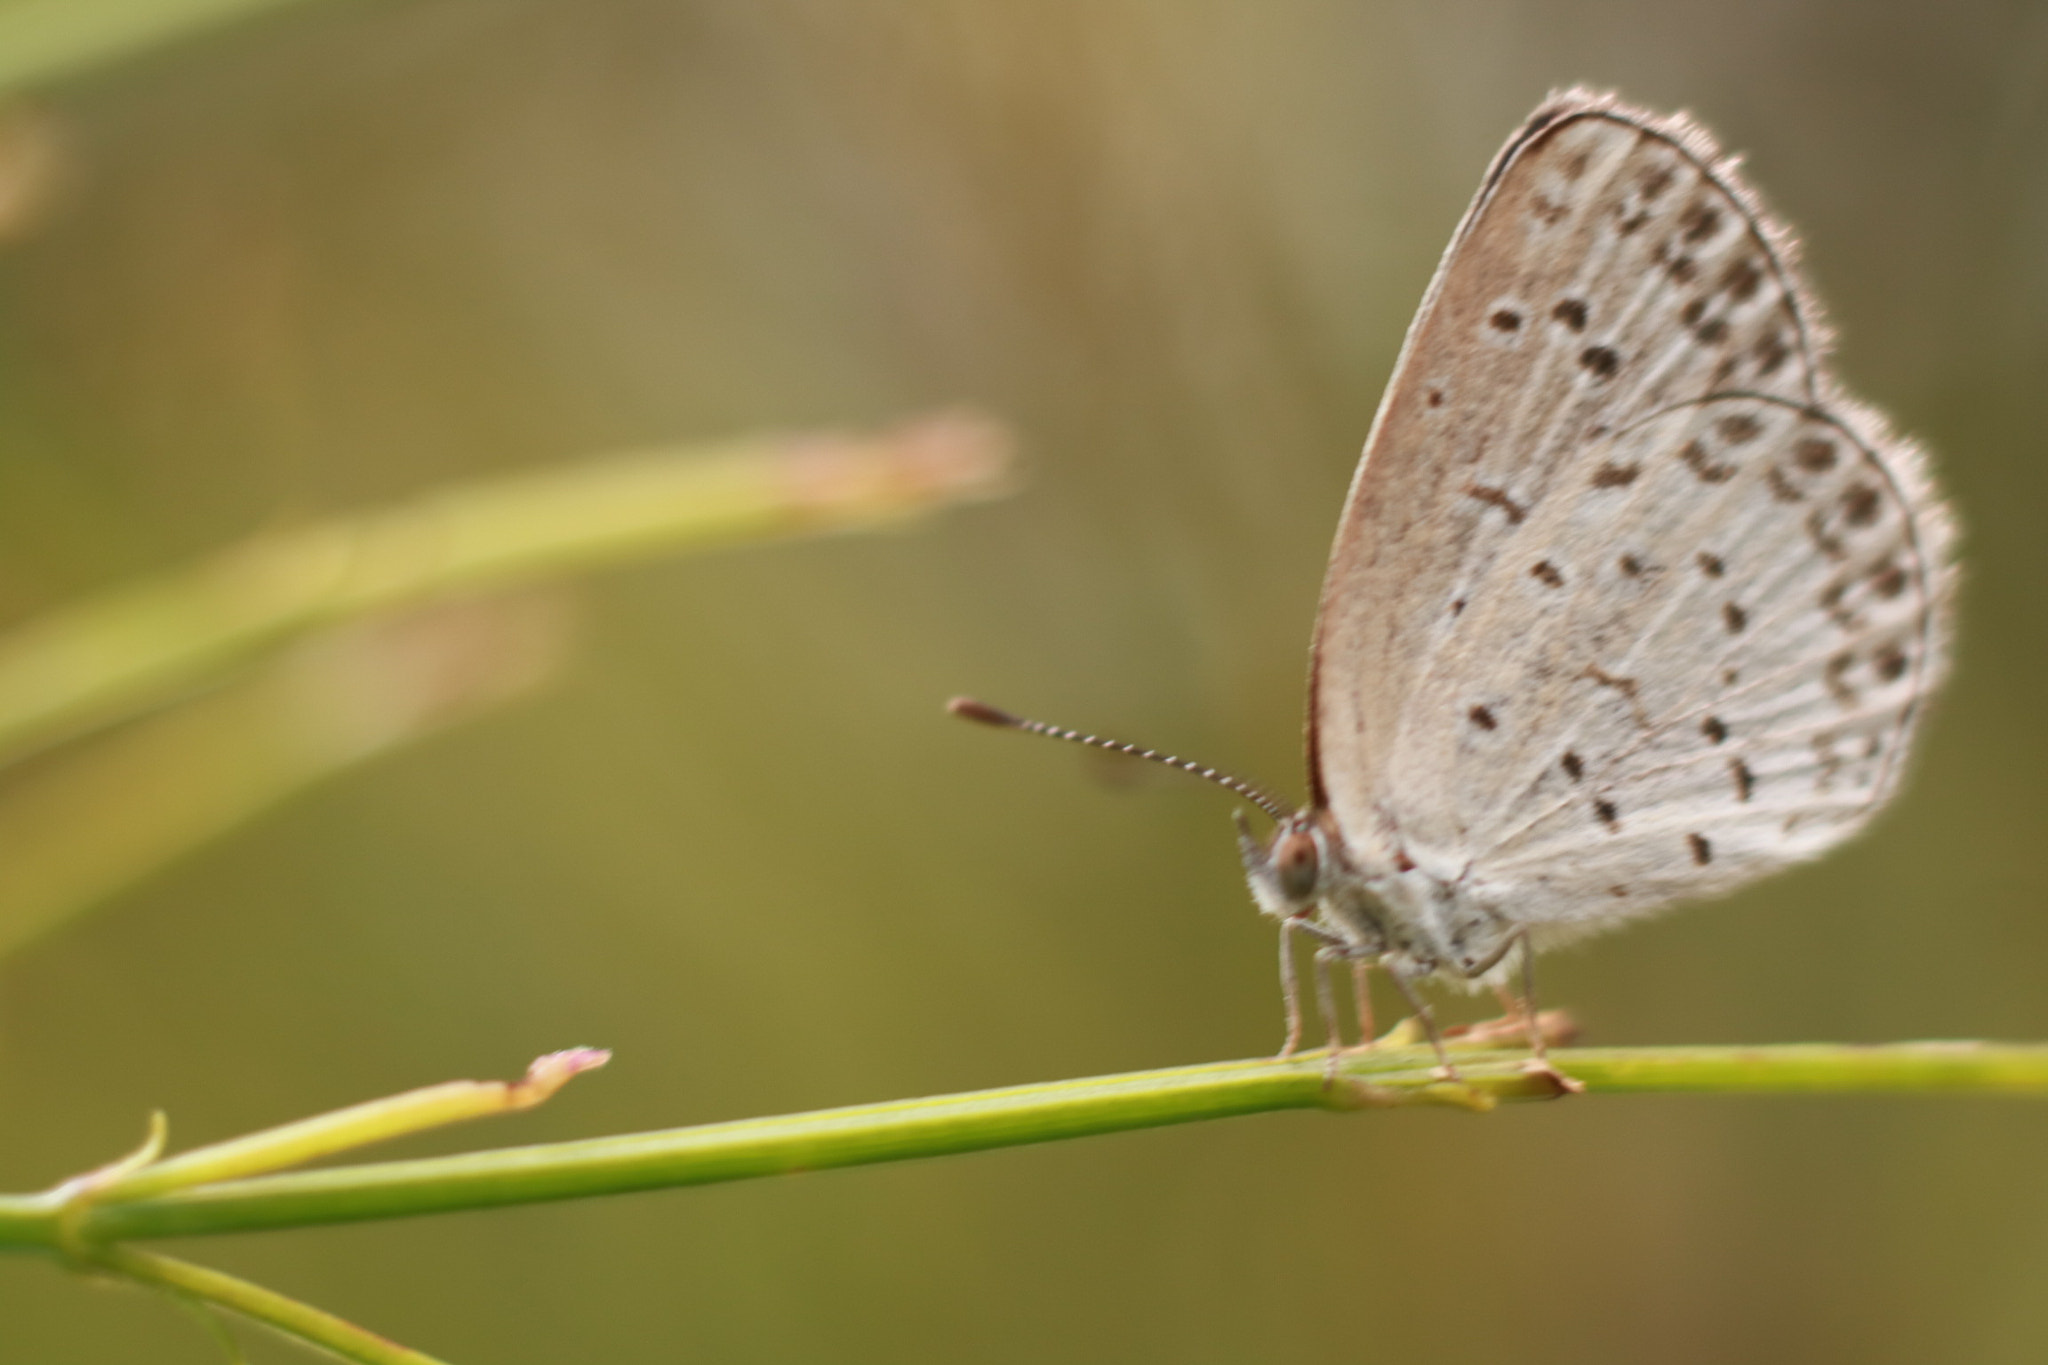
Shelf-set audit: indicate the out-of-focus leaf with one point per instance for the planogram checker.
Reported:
(78, 825)
(43, 41)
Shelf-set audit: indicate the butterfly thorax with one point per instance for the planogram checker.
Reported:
(1383, 905)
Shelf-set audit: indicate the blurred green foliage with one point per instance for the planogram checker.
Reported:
(325, 258)
(43, 41)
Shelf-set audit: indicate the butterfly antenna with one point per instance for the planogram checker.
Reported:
(967, 708)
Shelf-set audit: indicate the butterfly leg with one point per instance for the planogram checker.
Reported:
(1444, 1069)
(1525, 1010)
(1290, 989)
(1326, 1003)
(1290, 984)
(1361, 997)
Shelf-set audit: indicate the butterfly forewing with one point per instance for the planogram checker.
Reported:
(1626, 603)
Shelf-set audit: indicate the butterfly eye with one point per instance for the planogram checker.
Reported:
(1296, 861)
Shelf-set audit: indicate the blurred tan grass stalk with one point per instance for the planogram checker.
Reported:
(342, 640)
(97, 817)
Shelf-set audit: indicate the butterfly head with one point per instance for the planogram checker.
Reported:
(1288, 871)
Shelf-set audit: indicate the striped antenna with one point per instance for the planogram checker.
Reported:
(967, 708)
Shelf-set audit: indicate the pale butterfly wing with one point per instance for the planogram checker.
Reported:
(1627, 603)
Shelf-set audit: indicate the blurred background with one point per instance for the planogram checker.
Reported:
(318, 259)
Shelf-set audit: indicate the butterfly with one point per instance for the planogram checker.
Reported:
(1630, 603)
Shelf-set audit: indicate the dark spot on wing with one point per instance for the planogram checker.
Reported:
(1734, 617)
(1629, 225)
(1824, 540)
(1861, 504)
(1887, 579)
(1609, 814)
(1575, 165)
(1699, 222)
(1711, 565)
(1830, 762)
(1814, 455)
(1771, 352)
(1616, 475)
(1629, 688)
(1457, 606)
(1782, 488)
(1831, 603)
(1702, 851)
(1572, 313)
(1704, 465)
(1741, 279)
(1545, 572)
(1713, 728)
(1656, 182)
(1890, 662)
(1693, 312)
(1571, 765)
(1506, 320)
(1601, 361)
(1712, 332)
(1626, 686)
(1745, 780)
(1483, 718)
(1632, 566)
(1436, 398)
(1497, 497)
(1836, 677)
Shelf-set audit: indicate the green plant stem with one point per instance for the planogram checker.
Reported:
(1387, 1076)
(300, 1321)
(135, 647)
(343, 1130)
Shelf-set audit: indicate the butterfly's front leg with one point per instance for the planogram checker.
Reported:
(1326, 1005)
(1290, 985)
